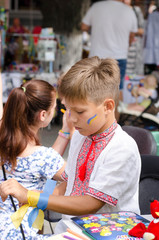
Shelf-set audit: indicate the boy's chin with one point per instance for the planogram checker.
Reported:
(84, 132)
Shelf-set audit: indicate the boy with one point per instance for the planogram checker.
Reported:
(103, 167)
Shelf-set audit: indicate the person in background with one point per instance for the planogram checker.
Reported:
(151, 42)
(28, 108)
(152, 7)
(15, 40)
(110, 24)
(135, 65)
(103, 167)
(17, 27)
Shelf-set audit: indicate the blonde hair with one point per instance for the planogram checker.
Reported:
(91, 79)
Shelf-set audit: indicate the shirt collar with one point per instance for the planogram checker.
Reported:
(104, 134)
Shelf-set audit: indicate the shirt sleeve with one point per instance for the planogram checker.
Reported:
(87, 18)
(116, 173)
(50, 163)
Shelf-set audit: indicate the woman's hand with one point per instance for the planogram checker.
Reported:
(15, 189)
(67, 123)
(67, 130)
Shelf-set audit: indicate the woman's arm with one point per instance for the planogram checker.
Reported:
(71, 205)
(60, 189)
(61, 142)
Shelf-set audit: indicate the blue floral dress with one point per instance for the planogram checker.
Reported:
(32, 172)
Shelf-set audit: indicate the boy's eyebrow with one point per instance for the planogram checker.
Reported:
(78, 108)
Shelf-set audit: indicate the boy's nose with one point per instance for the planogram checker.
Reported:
(73, 118)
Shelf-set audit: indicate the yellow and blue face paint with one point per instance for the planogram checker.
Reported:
(91, 119)
(37, 200)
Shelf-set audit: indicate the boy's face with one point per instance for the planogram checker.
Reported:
(89, 118)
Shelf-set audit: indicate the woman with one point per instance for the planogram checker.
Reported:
(135, 54)
(28, 108)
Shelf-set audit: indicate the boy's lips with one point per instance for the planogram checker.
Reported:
(77, 128)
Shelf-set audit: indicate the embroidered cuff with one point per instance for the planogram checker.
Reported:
(102, 196)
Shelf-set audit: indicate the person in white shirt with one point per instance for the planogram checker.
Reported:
(112, 24)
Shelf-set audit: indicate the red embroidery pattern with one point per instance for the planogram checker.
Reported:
(100, 142)
(102, 196)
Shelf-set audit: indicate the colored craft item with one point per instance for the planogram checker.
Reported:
(152, 230)
(112, 226)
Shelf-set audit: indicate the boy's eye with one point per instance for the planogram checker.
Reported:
(80, 112)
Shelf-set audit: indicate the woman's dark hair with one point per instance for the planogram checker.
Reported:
(20, 115)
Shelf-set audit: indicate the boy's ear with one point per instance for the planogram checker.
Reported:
(109, 105)
(42, 115)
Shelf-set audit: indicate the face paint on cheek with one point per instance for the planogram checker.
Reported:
(91, 119)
